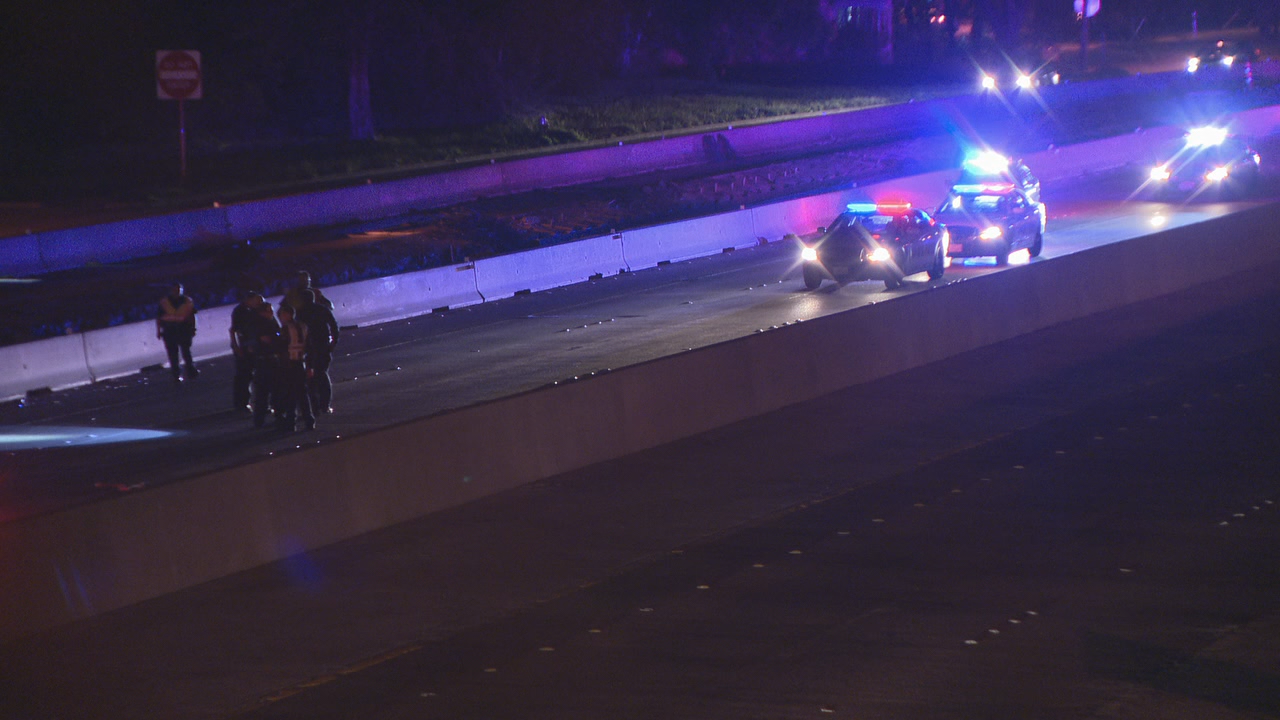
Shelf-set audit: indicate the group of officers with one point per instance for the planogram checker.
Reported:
(282, 355)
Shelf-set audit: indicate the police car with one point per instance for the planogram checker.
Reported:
(1225, 60)
(988, 168)
(992, 220)
(1009, 77)
(876, 241)
(1206, 160)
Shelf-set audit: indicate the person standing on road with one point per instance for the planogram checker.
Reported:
(244, 321)
(295, 403)
(301, 283)
(176, 326)
(266, 371)
(322, 338)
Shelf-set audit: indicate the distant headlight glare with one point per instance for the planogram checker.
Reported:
(1160, 173)
(1024, 81)
(1228, 60)
(1217, 174)
(988, 82)
(1193, 64)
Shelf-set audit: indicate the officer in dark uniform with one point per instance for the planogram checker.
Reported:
(301, 283)
(266, 375)
(244, 321)
(176, 326)
(322, 338)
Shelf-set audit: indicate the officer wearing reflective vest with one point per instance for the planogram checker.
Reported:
(295, 403)
(176, 326)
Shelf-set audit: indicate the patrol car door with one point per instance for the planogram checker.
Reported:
(921, 240)
(1021, 220)
(907, 233)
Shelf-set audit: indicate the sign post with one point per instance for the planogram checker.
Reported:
(1085, 9)
(179, 77)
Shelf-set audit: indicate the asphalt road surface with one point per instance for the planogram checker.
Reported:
(400, 371)
(1078, 523)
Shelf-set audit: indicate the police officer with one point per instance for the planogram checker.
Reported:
(302, 282)
(176, 326)
(294, 407)
(244, 322)
(322, 338)
(266, 392)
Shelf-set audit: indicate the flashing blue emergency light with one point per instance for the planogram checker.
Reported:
(1207, 136)
(894, 207)
(986, 162)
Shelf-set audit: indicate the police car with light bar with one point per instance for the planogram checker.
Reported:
(1206, 160)
(987, 168)
(876, 241)
(991, 220)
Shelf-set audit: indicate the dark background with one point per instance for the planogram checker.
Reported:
(79, 77)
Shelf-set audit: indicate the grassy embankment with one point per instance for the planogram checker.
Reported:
(234, 170)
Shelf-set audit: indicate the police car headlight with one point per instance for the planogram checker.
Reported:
(991, 233)
(1193, 64)
(1217, 174)
(1228, 60)
(879, 255)
(988, 82)
(808, 254)
(1024, 81)
(1160, 173)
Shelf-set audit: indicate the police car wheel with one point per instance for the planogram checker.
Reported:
(1002, 257)
(1037, 245)
(939, 264)
(812, 277)
(893, 282)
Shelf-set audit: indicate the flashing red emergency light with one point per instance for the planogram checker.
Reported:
(884, 208)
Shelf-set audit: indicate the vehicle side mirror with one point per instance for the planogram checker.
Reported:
(821, 229)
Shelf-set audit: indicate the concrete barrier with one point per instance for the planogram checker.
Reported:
(651, 246)
(112, 242)
(549, 267)
(20, 256)
(50, 364)
(369, 302)
(90, 559)
(125, 349)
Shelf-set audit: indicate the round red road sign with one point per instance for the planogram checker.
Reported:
(178, 75)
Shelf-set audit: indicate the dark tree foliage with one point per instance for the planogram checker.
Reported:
(78, 76)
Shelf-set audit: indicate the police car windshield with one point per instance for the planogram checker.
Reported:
(982, 204)
(875, 223)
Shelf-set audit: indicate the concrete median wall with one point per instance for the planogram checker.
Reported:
(76, 247)
(549, 267)
(50, 363)
(647, 247)
(90, 559)
(400, 296)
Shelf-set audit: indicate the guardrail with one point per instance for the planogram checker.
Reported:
(62, 362)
